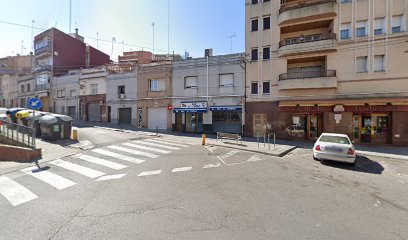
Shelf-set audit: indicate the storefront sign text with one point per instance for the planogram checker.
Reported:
(306, 109)
(194, 105)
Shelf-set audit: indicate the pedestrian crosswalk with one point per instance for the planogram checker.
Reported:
(67, 172)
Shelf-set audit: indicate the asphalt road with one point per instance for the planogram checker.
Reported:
(195, 192)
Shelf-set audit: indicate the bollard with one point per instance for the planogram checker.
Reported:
(75, 134)
(203, 139)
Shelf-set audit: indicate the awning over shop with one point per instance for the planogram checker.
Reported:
(226, 108)
(189, 110)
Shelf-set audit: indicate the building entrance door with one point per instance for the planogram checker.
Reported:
(194, 122)
(314, 128)
(125, 116)
(179, 122)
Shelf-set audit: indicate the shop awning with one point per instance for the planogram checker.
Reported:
(226, 108)
(190, 110)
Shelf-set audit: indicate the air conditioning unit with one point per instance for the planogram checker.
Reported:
(122, 96)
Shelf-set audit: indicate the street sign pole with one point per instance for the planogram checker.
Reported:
(33, 129)
(34, 104)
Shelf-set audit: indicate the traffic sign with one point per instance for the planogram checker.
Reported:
(34, 103)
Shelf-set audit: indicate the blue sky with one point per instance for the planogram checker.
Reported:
(194, 25)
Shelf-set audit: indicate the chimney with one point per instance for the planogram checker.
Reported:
(76, 31)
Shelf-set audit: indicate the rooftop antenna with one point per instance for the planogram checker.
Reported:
(123, 46)
(32, 35)
(232, 37)
(168, 27)
(153, 24)
(22, 47)
(113, 42)
(97, 40)
(70, 15)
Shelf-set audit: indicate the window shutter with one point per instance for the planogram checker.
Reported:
(379, 63)
(191, 82)
(226, 79)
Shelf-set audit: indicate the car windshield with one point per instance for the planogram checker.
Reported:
(3, 111)
(335, 139)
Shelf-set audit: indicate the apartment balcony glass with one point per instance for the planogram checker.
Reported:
(298, 10)
(42, 87)
(308, 79)
(307, 44)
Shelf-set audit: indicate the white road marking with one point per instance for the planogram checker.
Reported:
(229, 154)
(118, 156)
(212, 165)
(220, 158)
(15, 193)
(111, 177)
(211, 149)
(179, 142)
(182, 169)
(135, 152)
(147, 148)
(88, 172)
(157, 145)
(254, 158)
(48, 177)
(100, 161)
(166, 143)
(149, 173)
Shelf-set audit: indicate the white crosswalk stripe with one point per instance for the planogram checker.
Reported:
(230, 153)
(88, 172)
(179, 142)
(147, 148)
(182, 169)
(157, 145)
(118, 156)
(156, 172)
(111, 177)
(212, 165)
(100, 161)
(166, 143)
(48, 177)
(15, 193)
(135, 152)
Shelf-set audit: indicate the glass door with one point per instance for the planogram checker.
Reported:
(313, 127)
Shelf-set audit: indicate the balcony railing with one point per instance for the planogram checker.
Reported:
(307, 38)
(46, 49)
(307, 74)
(43, 87)
(42, 68)
(301, 4)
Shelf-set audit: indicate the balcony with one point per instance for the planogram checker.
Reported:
(303, 10)
(43, 51)
(308, 44)
(43, 87)
(42, 68)
(308, 80)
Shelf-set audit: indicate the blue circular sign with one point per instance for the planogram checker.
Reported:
(34, 103)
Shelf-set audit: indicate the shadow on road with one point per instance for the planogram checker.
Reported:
(363, 164)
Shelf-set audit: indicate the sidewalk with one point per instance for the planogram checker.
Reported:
(50, 151)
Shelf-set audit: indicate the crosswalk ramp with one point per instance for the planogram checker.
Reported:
(93, 165)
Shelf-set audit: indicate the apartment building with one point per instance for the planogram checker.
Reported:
(154, 91)
(217, 110)
(65, 94)
(55, 54)
(25, 85)
(121, 94)
(92, 94)
(318, 66)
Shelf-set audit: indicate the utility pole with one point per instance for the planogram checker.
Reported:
(168, 28)
(153, 24)
(113, 43)
(32, 36)
(97, 40)
(123, 47)
(70, 15)
(208, 56)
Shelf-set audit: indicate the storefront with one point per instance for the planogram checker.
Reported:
(227, 119)
(189, 117)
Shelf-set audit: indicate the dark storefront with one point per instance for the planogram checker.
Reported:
(93, 108)
(227, 119)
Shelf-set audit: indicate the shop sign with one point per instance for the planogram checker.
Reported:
(226, 108)
(375, 108)
(194, 105)
(338, 108)
(190, 110)
(337, 118)
(306, 109)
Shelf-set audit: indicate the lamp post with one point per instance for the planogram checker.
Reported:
(207, 76)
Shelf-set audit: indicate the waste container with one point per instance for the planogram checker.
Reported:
(21, 115)
(55, 127)
(12, 113)
(28, 121)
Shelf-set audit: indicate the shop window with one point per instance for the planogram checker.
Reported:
(227, 116)
(382, 125)
(297, 128)
(254, 88)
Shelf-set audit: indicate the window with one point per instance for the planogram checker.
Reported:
(254, 88)
(94, 88)
(379, 63)
(397, 24)
(254, 54)
(345, 31)
(266, 87)
(121, 89)
(60, 93)
(72, 93)
(22, 88)
(254, 25)
(361, 64)
(28, 87)
(378, 27)
(345, 1)
(267, 0)
(267, 22)
(191, 82)
(266, 53)
(227, 80)
(361, 29)
(227, 116)
(156, 85)
(254, 1)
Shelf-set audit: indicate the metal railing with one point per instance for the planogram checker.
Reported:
(307, 38)
(307, 74)
(301, 4)
(17, 133)
(43, 87)
(267, 136)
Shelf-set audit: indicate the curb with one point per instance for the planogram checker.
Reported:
(280, 154)
(382, 155)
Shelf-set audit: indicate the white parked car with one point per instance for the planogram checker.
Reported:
(3, 116)
(334, 147)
